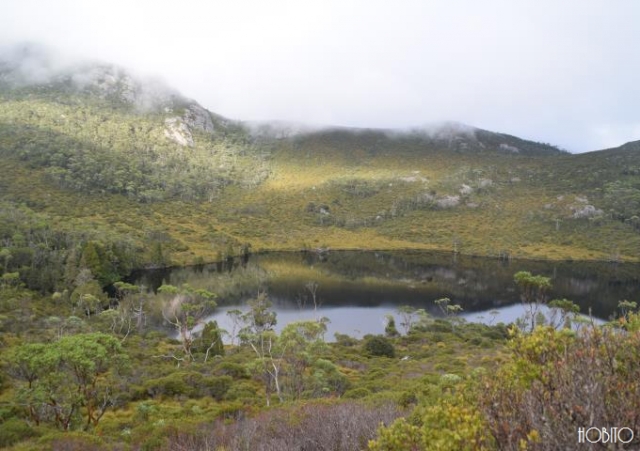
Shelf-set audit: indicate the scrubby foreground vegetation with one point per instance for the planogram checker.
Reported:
(103, 173)
(78, 378)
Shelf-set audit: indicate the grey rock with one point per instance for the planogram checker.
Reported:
(197, 117)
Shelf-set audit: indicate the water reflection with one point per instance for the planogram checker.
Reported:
(357, 289)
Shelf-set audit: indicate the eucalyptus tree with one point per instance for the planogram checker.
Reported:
(210, 341)
(390, 329)
(533, 293)
(186, 308)
(567, 311)
(449, 310)
(289, 364)
(301, 346)
(68, 382)
(411, 316)
(258, 333)
(131, 305)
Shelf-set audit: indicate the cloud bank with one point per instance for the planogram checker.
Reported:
(559, 72)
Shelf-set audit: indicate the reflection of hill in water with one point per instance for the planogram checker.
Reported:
(418, 278)
(350, 278)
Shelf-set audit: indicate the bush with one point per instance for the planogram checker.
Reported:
(235, 370)
(439, 325)
(177, 384)
(242, 391)
(449, 425)
(356, 393)
(13, 431)
(379, 346)
(217, 387)
(345, 340)
(560, 380)
(407, 398)
(498, 332)
(73, 441)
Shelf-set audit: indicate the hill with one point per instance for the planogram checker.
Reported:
(90, 153)
(102, 172)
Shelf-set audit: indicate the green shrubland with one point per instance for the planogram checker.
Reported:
(74, 378)
(89, 167)
(95, 185)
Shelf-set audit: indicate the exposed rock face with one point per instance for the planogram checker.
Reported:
(112, 82)
(453, 135)
(448, 201)
(588, 211)
(176, 130)
(33, 65)
(180, 129)
(107, 81)
(197, 117)
(465, 190)
(485, 183)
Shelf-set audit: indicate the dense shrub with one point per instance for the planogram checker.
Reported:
(242, 391)
(345, 340)
(234, 370)
(438, 325)
(450, 425)
(73, 441)
(356, 393)
(217, 387)
(14, 430)
(188, 383)
(560, 381)
(379, 346)
(175, 384)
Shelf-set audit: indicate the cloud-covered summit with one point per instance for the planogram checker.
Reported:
(30, 64)
(553, 71)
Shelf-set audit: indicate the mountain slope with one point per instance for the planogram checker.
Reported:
(91, 148)
(96, 128)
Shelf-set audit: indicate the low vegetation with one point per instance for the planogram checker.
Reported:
(77, 379)
(175, 184)
(105, 380)
(97, 182)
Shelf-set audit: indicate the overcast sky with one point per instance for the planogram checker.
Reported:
(564, 72)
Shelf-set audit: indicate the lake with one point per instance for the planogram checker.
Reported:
(355, 289)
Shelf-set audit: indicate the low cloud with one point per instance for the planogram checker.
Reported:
(546, 70)
(27, 64)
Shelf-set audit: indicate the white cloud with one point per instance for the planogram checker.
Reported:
(611, 135)
(546, 70)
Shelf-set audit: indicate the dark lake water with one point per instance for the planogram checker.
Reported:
(355, 290)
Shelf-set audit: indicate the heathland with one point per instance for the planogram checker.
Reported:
(103, 173)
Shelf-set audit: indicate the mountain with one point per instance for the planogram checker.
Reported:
(95, 127)
(93, 154)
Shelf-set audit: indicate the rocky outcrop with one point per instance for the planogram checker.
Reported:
(588, 211)
(112, 82)
(177, 131)
(197, 117)
(180, 129)
(448, 202)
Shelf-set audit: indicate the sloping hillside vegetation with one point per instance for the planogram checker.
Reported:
(109, 153)
(102, 173)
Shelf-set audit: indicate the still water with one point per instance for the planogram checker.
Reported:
(355, 290)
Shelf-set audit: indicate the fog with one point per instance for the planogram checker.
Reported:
(557, 72)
